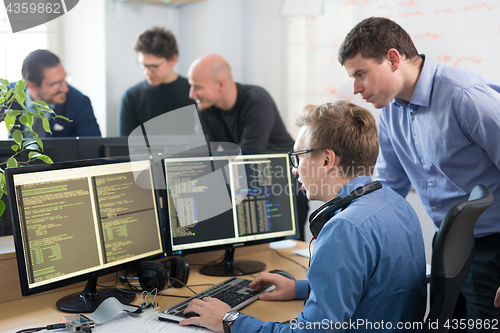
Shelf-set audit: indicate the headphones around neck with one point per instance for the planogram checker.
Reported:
(320, 216)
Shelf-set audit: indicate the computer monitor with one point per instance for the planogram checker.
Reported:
(79, 220)
(225, 202)
(58, 149)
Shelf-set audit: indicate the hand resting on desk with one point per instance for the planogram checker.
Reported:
(211, 310)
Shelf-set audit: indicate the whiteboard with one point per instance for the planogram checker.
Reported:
(458, 33)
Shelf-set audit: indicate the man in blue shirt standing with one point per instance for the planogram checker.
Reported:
(46, 81)
(439, 131)
(367, 269)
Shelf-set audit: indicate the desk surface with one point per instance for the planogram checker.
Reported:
(40, 310)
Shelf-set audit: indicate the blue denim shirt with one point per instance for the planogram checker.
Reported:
(444, 142)
(367, 268)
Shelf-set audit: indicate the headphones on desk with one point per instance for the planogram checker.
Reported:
(156, 275)
(320, 216)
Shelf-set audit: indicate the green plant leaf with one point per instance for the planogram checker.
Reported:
(2, 207)
(2, 99)
(12, 113)
(62, 117)
(9, 122)
(42, 105)
(15, 148)
(3, 185)
(8, 96)
(38, 141)
(19, 99)
(11, 163)
(45, 158)
(29, 143)
(18, 137)
(33, 155)
(2, 87)
(24, 119)
(46, 125)
(5, 82)
(20, 86)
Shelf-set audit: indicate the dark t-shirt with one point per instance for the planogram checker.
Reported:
(144, 102)
(254, 122)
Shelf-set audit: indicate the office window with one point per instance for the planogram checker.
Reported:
(14, 48)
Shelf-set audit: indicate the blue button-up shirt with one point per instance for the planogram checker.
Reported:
(444, 142)
(367, 270)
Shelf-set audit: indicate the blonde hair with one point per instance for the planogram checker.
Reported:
(346, 128)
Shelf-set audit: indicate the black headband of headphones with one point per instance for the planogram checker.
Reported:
(320, 216)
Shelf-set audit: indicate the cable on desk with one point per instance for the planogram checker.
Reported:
(304, 267)
(202, 285)
(48, 327)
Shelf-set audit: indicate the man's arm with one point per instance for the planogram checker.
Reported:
(389, 170)
(479, 111)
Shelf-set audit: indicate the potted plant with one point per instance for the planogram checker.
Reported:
(17, 119)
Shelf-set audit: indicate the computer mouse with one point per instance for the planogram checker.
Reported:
(284, 273)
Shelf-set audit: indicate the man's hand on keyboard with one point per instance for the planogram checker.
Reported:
(211, 311)
(285, 288)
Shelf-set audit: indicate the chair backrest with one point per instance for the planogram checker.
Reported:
(452, 254)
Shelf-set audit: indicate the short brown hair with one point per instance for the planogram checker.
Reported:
(373, 37)
(346, 128)
(35, 64)
(157, 41)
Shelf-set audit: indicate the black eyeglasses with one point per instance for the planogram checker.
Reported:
(152, 68)
(294, 159)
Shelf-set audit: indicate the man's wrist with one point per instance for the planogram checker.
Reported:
(228, 320)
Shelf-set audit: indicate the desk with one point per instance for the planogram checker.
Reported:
(40, 310)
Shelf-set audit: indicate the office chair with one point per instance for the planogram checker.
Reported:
(453, 250)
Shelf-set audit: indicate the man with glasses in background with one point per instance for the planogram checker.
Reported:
(46, 80)
(163, 90)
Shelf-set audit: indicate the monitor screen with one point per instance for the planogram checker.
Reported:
(224, 202)
(79, 220)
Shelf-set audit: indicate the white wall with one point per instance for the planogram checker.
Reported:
(83, 53)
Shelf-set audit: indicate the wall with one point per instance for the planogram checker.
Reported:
(83, 53)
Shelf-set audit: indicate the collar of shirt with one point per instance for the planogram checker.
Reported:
(354, 184)
(422, 93)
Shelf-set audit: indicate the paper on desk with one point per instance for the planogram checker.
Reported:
(284, 244)
(150, 323)
(303, 252)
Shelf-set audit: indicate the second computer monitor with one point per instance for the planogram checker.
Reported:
(225, 202)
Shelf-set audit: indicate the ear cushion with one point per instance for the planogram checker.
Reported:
(152, 275)
(179, 269)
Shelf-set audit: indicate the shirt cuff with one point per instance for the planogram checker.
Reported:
(250, 324)
(301, 289)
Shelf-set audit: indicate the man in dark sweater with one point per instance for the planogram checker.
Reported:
(231, 112)
(163, 90)
(237, 113)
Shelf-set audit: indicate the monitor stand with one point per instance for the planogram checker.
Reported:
(230, 267)
(90, 298)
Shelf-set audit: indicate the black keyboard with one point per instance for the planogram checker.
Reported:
(234, 291)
